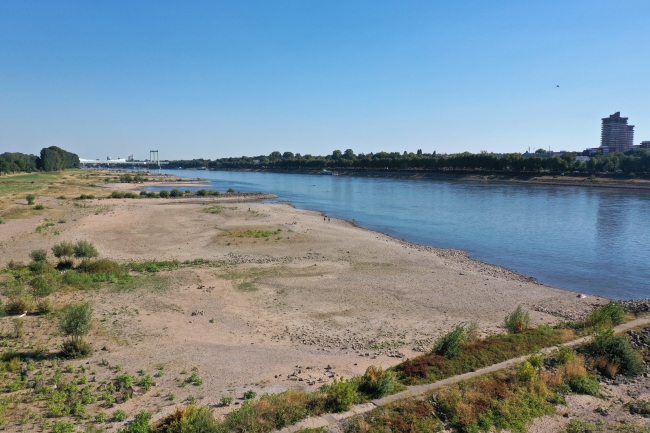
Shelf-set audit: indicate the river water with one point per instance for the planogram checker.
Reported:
(591, 240)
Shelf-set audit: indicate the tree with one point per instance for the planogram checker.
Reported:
(336, 154)
(540, 150)
(348, 154)
(287, 155)
(75, 323)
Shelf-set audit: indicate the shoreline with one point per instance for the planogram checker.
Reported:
(531, 179)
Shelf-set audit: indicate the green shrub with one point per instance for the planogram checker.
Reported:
(577, 426)
(250, 394)
(164, 194)
(40, 267)
(202, 192)
(19, 327)
(117, 194)
(39, 207)
(536, 360)
(101, 266)
(38, 255)
(19, 304)
(63, 249)
(75, 323)
(44, 306)
(450, 345)
(611, 314)
(518, 321)
(30, 199)
(584, 385)
(191, 419)
(63, 427)
(3, 312)
(85, 250)
(72, 349)
(44, 285)
(340, 395)
(376, 382)
(118, 416)
(617, 350)
(564, 355)
(226, 401)
(176, 193)
(231, 191)
(140, 424)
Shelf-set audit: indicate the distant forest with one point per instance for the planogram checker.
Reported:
(51, 159)
(630, 162)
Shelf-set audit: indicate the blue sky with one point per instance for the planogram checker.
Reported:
(215, 79)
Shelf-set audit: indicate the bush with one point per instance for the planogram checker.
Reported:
(250, 394)
(63, 427)
(3, 312)
(38, 255)
(616, 350)
(118, 416)
(74, 349)
(85, 250)
(63, 249)
(164, 194)
(30, 199)
(139, 425)
(101, 266)
(527, 372)
(584, 385)
(19, 327)
(39, 207)
(226, 401)
(611, 314)
(19, 304)
(202, 192)
(44, 306)
(340, 395)
(40, 267)
(175, 193)
(518, 321)
(75, 323)
(450, 345)
(231, 191)
(191, 419)
(376, 382)
(117, 194)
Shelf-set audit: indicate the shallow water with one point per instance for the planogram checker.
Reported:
(589, 240)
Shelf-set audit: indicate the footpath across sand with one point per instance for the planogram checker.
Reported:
(298, 301)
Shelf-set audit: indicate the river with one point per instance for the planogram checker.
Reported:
(590, 240)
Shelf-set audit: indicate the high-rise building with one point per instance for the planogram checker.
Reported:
(616, 135)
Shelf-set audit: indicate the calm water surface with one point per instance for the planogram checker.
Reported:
(584, 239)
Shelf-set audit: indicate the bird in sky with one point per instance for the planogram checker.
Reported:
(558, 85)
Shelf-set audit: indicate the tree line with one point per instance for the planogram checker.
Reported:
(629, 162)
(51, 159)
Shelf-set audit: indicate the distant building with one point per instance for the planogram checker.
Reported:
(645, 145)
(616, 135)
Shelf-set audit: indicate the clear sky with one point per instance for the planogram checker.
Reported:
(214, 79)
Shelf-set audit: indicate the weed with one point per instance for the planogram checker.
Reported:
(38, 255)
(62, 427)
(611, 314)
(118, 416)
(610, 349)
(518, 321)
(376, 382)
(19, 328)
(450, 344)
(226, 401)
(39, 207)
(250, 394)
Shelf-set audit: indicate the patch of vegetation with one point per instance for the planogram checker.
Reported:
(611, 314)
(518, 321)
(258, 233)
(75, 323)
(612, 354)
(408, 415)
(217, 209)
(482, 353)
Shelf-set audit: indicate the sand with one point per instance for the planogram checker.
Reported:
(315, 300)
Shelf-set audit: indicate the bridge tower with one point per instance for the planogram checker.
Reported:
(153, 157)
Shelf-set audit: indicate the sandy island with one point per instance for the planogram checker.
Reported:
(315, 300)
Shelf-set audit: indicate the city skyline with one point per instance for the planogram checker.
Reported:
(216, 80)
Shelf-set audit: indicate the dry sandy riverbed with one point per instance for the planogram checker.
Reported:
(313, 301)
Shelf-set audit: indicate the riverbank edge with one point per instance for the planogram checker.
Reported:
(467, 177)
